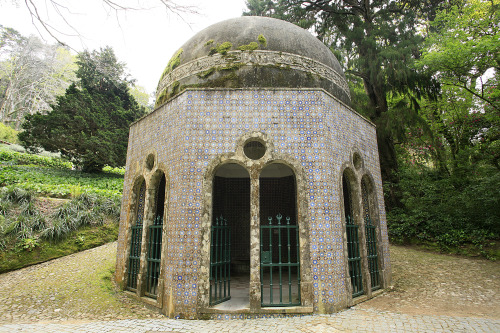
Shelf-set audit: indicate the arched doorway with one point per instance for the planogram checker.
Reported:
(230, 237)
(352, 234)
(155, 232)
(279, 237)
(134, 258)
(370, 219)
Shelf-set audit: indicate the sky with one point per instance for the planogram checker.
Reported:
(143, 39)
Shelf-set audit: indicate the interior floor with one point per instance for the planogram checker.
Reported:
(240, 290)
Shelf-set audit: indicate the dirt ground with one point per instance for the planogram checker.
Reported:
(437, 284)
(77, 288)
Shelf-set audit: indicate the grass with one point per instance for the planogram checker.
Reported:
(48, 210)
(60, 183)
(76, 241)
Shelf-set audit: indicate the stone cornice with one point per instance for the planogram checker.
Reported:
(282, 60)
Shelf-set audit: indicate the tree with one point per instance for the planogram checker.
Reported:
(32, 74)
(450, 162)
(89, 124)
(377, 43)
(462, 49)
(142, 97)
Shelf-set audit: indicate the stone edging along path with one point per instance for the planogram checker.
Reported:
(352, 320)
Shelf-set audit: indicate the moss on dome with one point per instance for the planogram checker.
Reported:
(262, 40)
(174, 62)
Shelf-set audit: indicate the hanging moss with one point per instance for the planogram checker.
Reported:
(167, 93)
(207, 73)
(262, 40)
(175, 88)
(161, 98)
(174, 62)
(249, 47)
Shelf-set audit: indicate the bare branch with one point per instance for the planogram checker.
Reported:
(171, 7)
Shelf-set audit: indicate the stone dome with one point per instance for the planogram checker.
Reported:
(252, 51)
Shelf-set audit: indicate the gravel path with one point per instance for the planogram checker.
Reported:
(437, 284)
(432, 292)
(75, 287)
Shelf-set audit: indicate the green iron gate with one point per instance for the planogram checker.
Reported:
(134, 259)
(354, 257)
(371, 244)
(154, 256)
(220, 262)
(135, 256)
(279, 263)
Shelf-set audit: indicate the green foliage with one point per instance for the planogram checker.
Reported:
(250, 47)
(85, 238)
(31, 159)
(221, 48)
(8, 134)
(118, 171)
(89, 124)
(262, 40)
(23, 220)
(462, 51)
(28, 244)
(451, 211)
(141, 96)
(173, 63)
(35, 229)
(463, 46)
(377, 43)
(52, 177)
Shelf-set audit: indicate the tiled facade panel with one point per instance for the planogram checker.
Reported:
(309, 125)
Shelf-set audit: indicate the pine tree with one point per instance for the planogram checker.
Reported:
(89, 124)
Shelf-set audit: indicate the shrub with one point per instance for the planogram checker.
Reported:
(31, 159)
(447, 211)
(17, 195)
(28, 244)
(8, 134)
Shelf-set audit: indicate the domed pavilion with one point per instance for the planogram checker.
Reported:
(253, 189)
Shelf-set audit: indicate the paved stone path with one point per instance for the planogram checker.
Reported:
(352, 320)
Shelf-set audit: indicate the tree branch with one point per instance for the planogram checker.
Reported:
(169, 5)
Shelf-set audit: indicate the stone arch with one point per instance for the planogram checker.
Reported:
(254, 168)
(230, 232)
(302, 207)
(134, 235)
(279, 239)
(352, 223)
(151, 264)
(208, 217)
(372, 231)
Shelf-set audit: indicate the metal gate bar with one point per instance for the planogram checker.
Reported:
(154, 257)
(135, 256)
(283, 231)
(220, 261)
(354, 257)
(371, 244)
